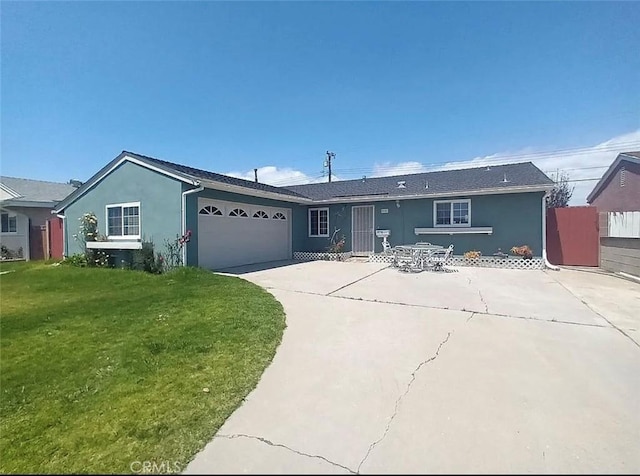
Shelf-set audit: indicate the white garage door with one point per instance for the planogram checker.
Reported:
(233, 234)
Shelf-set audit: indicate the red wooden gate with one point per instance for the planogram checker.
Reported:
(56, 243)
(572, 236)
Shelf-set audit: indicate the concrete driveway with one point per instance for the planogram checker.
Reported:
(474, 371)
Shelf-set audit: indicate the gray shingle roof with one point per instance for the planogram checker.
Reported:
(441, 182)
(37, 190)
(214, 177)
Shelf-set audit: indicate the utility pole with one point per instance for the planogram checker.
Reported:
(327, 163)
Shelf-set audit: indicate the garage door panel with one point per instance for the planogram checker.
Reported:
(225, 241)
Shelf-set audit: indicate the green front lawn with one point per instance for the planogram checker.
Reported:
(100, 368)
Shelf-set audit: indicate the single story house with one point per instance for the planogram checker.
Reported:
(25, 212)
(619, 188)
(234, 221)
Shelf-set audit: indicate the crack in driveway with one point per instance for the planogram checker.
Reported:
(486, 306)
(356, 281)
(278, 445)
(397, 405)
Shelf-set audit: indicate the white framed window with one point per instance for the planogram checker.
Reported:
(279, 216)
(452, 212)
(210, 210)
(260, 214)
(123, 221)
(318, 222)
(238, 212)
(9, 222)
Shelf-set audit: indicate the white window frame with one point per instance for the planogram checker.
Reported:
(309, 222)
(122, 205)
(451, 202)
(10, 215)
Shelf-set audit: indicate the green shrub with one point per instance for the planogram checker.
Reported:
(78, 259)
(145, 259)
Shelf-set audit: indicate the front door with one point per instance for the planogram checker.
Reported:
(362, 230)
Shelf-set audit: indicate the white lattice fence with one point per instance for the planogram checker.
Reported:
(496, 262)
(482, 262)
(380, 258)
(315, 255)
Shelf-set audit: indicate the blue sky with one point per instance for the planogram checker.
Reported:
(385, 85)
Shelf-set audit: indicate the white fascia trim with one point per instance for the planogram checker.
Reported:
(10, 191)
(225, 187)
(385, 198)
(455, 230)
(28, 203)
(114, 245)
(139, 162)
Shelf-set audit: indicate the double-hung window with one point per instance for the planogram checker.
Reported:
(9, 222)
(318, 222)
(452, 212)
(123, 220)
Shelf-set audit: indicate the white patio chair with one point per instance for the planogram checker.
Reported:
(438, 258)
(406, 259)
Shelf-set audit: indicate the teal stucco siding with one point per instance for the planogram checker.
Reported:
(298, 217)
(516, 220)
(159, 197)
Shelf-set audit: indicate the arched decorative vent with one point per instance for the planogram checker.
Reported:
(238, 212)
(210, 210)
(279, 216)
(260, 214)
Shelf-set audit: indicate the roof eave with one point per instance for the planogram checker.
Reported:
(456, 193)
(225, 187)
(9, 190)
(111, 166)
(29, 203)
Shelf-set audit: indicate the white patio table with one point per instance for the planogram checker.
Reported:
(413, 257)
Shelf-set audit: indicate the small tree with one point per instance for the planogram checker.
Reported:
(561, 193)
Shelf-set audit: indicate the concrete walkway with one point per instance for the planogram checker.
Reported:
(475, 371)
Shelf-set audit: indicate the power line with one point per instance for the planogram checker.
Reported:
(488, 161)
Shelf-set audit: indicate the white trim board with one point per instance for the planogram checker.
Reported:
(455, 230)
(443, 195)
(114, 245)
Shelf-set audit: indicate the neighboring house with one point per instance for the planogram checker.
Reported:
(619, 188)
(233, 221)
(25, 208)
(617, 198)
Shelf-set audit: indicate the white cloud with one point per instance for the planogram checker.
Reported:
(281, 177)
(578, 163)
(386, 169)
